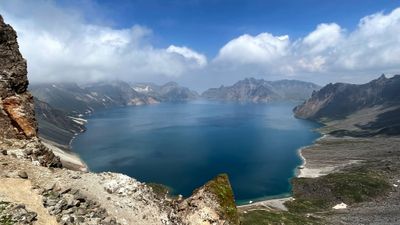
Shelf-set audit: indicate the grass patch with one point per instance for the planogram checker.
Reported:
(4, 219)
(322, 193)
(221, 187)
(358, 187)
(307, 205)
(261, 217)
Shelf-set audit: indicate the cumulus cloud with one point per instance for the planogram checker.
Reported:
(62, 46)
(187, 53)
(373, 47)
(325, 36)
(248, 49)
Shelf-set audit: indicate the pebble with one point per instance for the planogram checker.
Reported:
(23, 174)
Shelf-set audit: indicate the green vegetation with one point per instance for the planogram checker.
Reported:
(221, 187)
(358, 186)
(302, 205)
(320, 194)
(4, 219)
(262, 217)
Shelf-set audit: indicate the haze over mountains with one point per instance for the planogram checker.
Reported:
(261, 91)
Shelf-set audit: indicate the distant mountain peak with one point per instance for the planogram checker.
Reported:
(255, 90)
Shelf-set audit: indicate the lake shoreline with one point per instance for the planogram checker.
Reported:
(300, 172)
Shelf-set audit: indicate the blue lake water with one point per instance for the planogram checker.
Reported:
(185, 145)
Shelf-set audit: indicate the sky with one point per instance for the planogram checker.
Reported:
(206, 43)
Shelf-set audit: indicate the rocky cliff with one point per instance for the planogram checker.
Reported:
(17, 117)
(18, 126)
(373, 106)
(261, 91)
(33, 193)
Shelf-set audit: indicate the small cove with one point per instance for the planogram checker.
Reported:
(184, 145)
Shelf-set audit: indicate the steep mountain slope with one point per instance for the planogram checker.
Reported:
(56, 125)
(261, 91)
(380, 99)
(83, 100)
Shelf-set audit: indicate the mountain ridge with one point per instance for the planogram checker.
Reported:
(261, 91)
(380, 98)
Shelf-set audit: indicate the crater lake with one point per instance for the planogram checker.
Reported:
(184, 145)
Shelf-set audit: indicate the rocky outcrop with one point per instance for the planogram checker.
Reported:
(213, 203)
(16, 109)
(261, 91)
(110, 198)
(380, 98)
(18, 127)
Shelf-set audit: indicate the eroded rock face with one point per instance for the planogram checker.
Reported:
(17, 119)
(18, 127)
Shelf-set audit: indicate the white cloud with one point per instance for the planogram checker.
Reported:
(374, 45)
(372, 48)
(248, 49)
(324, 37)
(187, 53)
(62, 46)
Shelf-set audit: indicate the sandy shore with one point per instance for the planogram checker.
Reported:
(306, 170)
(271, 204)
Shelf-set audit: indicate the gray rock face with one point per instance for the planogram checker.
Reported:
(261, 91)
(337, 101)
(12, 64)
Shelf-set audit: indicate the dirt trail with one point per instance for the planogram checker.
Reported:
(26, 196)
